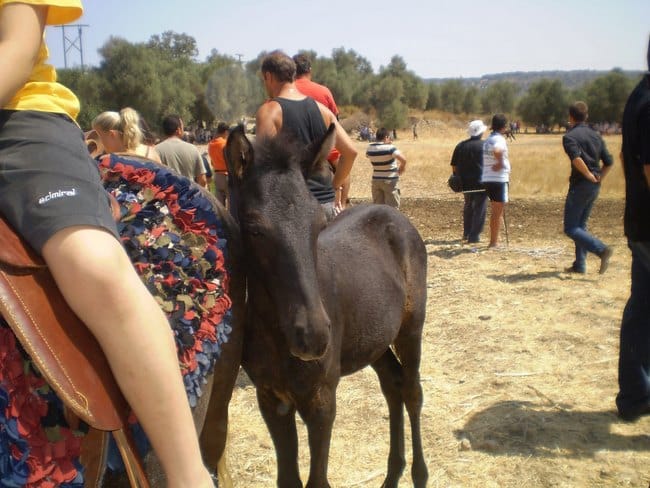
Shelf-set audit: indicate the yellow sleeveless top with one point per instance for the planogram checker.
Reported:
(42, 92)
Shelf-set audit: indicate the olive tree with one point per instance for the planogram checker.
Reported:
(545, 103)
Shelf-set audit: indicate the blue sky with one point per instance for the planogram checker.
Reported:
(458, 38)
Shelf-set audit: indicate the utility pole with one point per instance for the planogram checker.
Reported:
(69, 43)
(239, 56)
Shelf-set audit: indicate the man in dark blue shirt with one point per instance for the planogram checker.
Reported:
(633, 399)
(467, 162)
(586, 149)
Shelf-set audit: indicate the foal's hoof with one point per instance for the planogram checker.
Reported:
(389, 483)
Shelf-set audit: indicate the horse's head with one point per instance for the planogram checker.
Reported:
(280, 221)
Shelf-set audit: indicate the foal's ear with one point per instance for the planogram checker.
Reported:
(316, 153)
(238, 153)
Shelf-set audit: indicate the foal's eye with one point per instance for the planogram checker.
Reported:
(252, 229)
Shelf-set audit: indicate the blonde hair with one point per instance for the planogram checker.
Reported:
(127, 122)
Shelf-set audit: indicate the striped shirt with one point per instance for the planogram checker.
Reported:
(384, 164)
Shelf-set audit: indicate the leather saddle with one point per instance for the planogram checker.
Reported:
(62, 347)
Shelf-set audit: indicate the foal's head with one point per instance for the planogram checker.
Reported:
(280, 221)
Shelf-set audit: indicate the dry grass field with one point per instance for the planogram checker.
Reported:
(519, 358)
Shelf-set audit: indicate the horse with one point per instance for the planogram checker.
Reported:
(171, 228)
(211, 410)
(325, 301)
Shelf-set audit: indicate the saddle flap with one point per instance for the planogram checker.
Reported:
(62, 348)
(14, 251)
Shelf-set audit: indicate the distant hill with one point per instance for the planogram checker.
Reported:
(523, 79)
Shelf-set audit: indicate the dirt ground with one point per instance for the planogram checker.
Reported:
(518, 368)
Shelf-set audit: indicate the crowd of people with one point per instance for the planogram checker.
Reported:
(590, 163)
(77, 237)
(484, 172)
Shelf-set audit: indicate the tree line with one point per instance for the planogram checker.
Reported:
(163, 76)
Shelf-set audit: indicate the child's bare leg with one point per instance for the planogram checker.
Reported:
(100, 284)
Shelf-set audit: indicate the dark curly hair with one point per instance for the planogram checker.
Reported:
(499, 121)
(280, 65)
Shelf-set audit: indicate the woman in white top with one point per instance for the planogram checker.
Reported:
(496, 174)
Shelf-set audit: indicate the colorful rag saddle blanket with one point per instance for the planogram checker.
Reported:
(177, 243)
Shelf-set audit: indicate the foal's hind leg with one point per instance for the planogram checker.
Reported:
(391, 379)
(408, 348)
(280, 419)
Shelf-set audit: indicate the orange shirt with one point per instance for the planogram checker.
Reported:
(323, 95)
(318, 92)
(215, 151)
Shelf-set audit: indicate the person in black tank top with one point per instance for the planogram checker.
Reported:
(290, 112)
(303, 120)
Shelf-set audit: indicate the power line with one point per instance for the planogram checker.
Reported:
(70, 43)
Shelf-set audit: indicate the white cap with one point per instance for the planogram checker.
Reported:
(476, 128)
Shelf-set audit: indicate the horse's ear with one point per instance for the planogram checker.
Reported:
(238, 153)
(316, 153)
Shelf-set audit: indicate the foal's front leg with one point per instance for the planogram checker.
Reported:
(280, 419)
(318, 412)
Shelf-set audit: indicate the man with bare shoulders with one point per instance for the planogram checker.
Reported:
(289, 111)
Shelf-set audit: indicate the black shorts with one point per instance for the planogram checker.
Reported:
(496, 191)
(48, 181)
